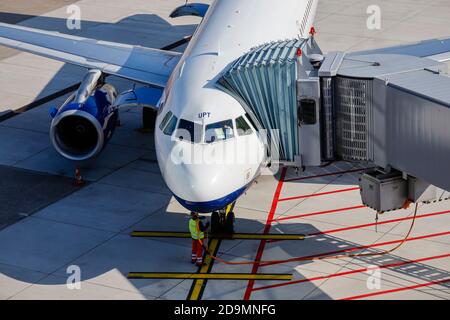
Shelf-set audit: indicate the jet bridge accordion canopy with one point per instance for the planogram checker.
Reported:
(264, 82)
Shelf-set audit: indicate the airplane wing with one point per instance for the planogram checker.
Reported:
(436, 49)
(146, 65)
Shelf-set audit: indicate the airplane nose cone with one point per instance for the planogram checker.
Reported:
(206, 177)
(203, 188)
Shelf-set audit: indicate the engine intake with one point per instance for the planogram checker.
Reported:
(77, 135)
(86, 121)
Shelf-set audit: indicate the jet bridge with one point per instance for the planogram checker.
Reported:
(265, 81)
(392, 110)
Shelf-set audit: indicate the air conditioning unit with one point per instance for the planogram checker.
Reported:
(383, 191)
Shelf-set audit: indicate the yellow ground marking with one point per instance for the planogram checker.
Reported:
(235, 236)
(210, 276)
(198, 285)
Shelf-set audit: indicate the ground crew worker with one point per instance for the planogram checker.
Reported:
(197, 229)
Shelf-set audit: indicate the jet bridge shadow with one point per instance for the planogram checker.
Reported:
(403, 269)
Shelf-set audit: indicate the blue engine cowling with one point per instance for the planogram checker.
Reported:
(82, 127)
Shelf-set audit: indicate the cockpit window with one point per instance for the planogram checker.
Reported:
(189, 131)
(165, 120)
(219, 131)
(242, 127)
(170, 128)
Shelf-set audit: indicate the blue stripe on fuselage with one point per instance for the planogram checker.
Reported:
(214, 205)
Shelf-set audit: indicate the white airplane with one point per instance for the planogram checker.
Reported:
(194, 116)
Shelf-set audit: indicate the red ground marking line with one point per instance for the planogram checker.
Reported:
(327, 174)
(378, 223)
(320, 194)
(320, 213)
(427, 284)
(262, 244)
(314, 214)
(345, 273)
(324, 254)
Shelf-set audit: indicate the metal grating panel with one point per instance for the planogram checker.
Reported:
(354, 116)
(327, 120)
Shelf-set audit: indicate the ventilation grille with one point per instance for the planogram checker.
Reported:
(327, 120)
(354, 115)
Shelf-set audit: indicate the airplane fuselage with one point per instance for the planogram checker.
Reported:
(216, 152)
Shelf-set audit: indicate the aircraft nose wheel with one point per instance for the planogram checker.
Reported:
(148, 120)
(222, 222)
(229, 223)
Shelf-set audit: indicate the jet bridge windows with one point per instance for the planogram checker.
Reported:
(189, 131)
(219, 131)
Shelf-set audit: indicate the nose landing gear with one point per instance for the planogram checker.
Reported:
(148, 120)
(222, 221)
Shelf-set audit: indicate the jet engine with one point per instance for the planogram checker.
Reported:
(83, 125)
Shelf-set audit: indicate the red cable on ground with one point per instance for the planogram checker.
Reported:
(377, 223)
(381, 244)
(257, 262)
(360, 226)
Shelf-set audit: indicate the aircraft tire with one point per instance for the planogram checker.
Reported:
(229, 223)
(215, 223)
(148, 119)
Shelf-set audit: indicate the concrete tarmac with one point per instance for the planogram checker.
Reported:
(47, 226)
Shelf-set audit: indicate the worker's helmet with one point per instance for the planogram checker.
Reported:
(194, 214)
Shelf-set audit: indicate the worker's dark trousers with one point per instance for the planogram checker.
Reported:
(197, 251)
